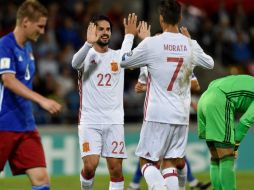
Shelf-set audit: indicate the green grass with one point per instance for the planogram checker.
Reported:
(244, 182)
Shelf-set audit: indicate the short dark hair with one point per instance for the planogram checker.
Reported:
(32, 9)
(170, 10)
(97, 18)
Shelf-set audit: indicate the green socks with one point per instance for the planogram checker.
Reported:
(214, 174)
(227, 173)
(222, 173)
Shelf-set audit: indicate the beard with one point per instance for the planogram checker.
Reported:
(102, 43)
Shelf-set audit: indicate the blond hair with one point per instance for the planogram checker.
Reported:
(32, 9)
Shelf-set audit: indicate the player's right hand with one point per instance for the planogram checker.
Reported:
(91, 33)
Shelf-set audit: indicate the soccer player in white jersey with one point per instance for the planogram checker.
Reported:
(184, 173)
(101, 81)
(170, 59)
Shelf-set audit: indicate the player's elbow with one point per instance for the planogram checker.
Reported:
(74, 63)
(123, 65)
(210, 62)
(7, 80)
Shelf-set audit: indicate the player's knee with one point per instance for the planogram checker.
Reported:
(180, 163)
(42, 179)
(90, 166)
(38, 176)
(115, 170)
(89, 169)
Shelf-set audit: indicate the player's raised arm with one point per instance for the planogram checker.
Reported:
(185, 31)
(199, 56)
(79, 57)
(130, 28)
(138, 57)
(143, 31)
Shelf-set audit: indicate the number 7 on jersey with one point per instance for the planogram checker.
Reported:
(179, 62)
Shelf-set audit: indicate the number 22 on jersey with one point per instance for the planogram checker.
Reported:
(104, 79)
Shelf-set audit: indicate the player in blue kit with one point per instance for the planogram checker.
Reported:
(20, 142)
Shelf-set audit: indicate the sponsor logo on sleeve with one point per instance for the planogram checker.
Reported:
(5, 63)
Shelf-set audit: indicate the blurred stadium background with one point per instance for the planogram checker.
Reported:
(224, 29)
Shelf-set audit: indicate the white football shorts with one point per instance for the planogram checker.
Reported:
(106, 140)
(162, 140)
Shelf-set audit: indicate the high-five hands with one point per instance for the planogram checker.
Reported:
(144, 30)
(130, 24)
(91, 33)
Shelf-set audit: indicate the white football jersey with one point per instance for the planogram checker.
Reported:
(170, 59)
(143, 75)
(101, 81)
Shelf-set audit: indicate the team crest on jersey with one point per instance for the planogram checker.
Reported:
(114, 66)
(86, 147)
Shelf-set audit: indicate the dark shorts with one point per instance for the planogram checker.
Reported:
(23, 150)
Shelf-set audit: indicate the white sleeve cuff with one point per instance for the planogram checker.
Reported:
(129, 36)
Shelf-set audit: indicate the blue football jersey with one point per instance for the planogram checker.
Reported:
(16, 111)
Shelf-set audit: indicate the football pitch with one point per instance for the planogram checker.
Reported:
(244, 182)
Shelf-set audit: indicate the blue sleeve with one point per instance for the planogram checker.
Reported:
(7, 61)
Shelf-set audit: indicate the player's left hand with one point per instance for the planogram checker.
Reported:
(144, 30)
(140, 88)
(130, 24)
(237, 144)
(185, 32)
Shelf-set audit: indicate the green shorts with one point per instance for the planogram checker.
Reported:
(216, 117)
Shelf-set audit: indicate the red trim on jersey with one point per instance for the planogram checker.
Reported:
(145, 167)
(147, 95)
(120, 179)
(80, 85)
